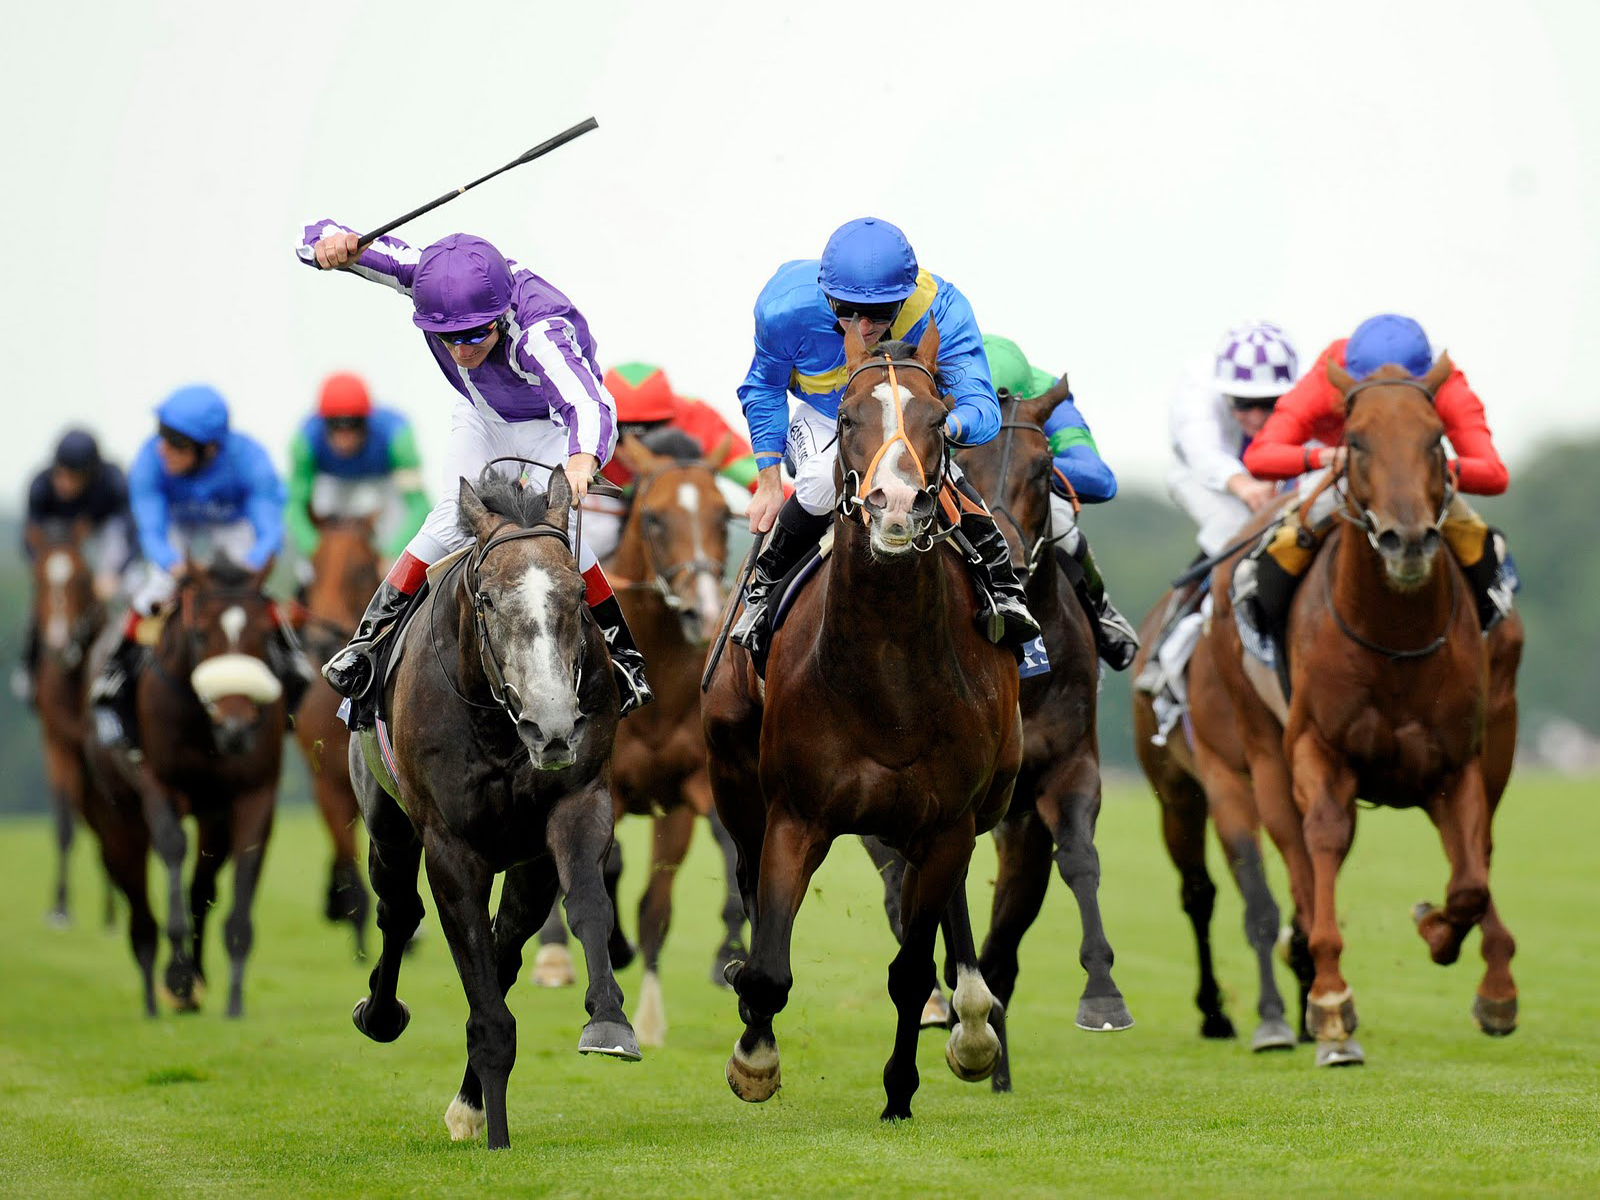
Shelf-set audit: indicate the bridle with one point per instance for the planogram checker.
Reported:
(1048, 539)
(189, 634)
(661, 577)
(857, 485)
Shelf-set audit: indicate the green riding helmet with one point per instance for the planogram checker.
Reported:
(1010, 370)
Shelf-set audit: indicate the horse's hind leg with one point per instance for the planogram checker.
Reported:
(622, 951)
(1022, 847)
(579, 833)
(1183, 828)
(697, 790)
(461, 882)
(530, 890)
(673, 830)
(171, 845)
(1069, 805)
(892, 870)
(125, 855)
(928, 890)
(211, 851)
(252, 826)
(790, 854)
(59, 764)
(393, 856)
(552, 966)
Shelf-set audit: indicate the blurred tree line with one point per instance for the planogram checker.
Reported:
(1549, 516)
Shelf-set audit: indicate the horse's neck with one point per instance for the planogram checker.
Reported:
(629, 561)
(872, 605)
(1367, 603)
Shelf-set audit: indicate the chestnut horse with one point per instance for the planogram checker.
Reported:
(210, 730)
(345, 572)
(884, 712)
(1396, 697)
(68, 617)
(503, 709)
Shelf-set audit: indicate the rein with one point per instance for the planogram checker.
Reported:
(1049, 537)
(660, 581)
(1387, 651)
(857, 486)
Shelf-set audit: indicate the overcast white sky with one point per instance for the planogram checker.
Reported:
(1111, 184)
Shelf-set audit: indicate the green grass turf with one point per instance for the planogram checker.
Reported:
(94, 1099)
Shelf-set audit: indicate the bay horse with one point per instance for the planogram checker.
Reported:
(345, 572)
(503, 710)
(210, 725)
(884, 712)
(67, 616)
(1396, 697)
(1229, 806)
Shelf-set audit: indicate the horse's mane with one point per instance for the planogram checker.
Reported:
(507, 498)
(224, 572)
(671, 443)
(899, 350)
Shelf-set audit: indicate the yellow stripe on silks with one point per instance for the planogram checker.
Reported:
(822, 384)
(1464, 531)
(1285, 549)
(916, 306)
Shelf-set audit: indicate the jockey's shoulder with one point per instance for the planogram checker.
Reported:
(534, 298)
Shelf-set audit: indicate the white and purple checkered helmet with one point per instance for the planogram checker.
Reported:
(1255, 360)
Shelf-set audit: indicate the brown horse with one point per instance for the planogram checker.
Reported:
(210, 727)
(884, 712)
(68, 617)
(345, 571)
(1396, 698)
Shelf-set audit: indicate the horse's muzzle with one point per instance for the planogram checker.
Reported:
(553, 751)
(898, 517)
(1408, 553)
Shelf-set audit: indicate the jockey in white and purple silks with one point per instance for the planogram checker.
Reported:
(523, 361)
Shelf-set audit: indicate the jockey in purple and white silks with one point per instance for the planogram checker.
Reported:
(867, 278)
(522, 359)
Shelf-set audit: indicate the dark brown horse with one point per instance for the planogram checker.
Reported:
(503, 709)
(1396, 697)
(210, 727)
(68, 617)
(345, 571)
(884, 712)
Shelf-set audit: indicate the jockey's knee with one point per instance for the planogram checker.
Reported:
(816, 492)
(1292, 545)
(1465, 532)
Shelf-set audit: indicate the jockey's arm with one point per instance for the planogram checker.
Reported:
(975, 416)
(583, 407)
(764, 397)
(150, 514)
(1279, 451)
(1478, 468)
(1076, 455)
(405, 472)
(263, 508)
(329, 245)
(297, 515)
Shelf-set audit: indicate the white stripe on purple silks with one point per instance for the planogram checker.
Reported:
(583, 405)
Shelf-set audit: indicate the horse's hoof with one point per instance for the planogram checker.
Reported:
(57, 918)
(1103, 1014)
(614, 1039)
(1331, 1018)
(755, 1077)
(1216, 1025)
(1421, 910)
(552, 966)
(188, 1002)
(463, 1120)
(376, 1030)
(936, 1012)
(1497, 1018)
(974, 1060)
(1281, 946)
(1346, 1052)
(1272, 1034)
(895, 1112)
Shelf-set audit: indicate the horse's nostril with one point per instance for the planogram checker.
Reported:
(922, 507)
(532, 729)
(1389, 542)
(875, 500)
(1431, 541)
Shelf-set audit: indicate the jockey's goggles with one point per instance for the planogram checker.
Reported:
(852, 310)
(1246, 403)
(178, 441)
(468, 337)
(349, 424)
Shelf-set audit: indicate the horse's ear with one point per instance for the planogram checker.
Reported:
(1038, 409)
(713, 458)
(855, 350)
(479, 517)
(1441, 370)
(1341, 379)
(34, 537)
(638, 457)
(558, 505)
(928, 348)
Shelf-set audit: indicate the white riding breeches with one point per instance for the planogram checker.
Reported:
(477, 435)
(200, 542)
(333, 497)
(1219, 514)
(812, 452)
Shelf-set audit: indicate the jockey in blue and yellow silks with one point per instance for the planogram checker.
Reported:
(867, 278)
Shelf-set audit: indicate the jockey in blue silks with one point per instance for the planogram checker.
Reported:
(1078, 467)
(196, 484)
(868, 279)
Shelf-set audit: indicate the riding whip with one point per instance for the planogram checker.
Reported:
(727, 622)
(539, 151)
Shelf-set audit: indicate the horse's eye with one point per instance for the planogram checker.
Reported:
(846, 421)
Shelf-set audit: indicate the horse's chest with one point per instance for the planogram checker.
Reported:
(1405, 751)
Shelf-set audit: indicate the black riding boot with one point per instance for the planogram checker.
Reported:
(1115, 638)
(627, 664)
(1263, 590)
(793, 534)
(113, 693)
(28, 669)
(1491, 583)
(349, 672)
(1016, 626)
(288, 662)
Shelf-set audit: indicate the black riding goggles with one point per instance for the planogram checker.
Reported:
(178, 441)
(475, 336)
(1249, 403)
(348, 424)
(852, 310)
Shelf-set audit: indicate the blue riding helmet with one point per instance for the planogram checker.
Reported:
(197, 411)
(1387, 338)
(77, 451)
(868, 261)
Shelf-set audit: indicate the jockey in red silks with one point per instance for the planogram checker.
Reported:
(1313, 410)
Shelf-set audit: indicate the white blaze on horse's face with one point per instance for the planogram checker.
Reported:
(706, 597)
(896, 481)
(57, 573)
(540, 639)
(233, 620)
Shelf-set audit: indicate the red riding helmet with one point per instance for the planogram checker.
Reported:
(642, 393)
(344, 395)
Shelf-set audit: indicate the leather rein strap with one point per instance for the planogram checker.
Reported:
(858, 486)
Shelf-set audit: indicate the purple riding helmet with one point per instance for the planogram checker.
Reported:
(461, 282)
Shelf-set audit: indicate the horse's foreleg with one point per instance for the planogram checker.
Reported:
(925, 900)
(171, 845)
(790, 854)
(673, 830)
(461, 882)
(892, 870)
(1022, 877)
(1069, 804)
(252, 826)
(697, 791)
(1324, 789)
(393, 856)
(125, 855)
(622, 951)
(1183, 829)
(529, 891)
(211, 851)
(580, 838)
